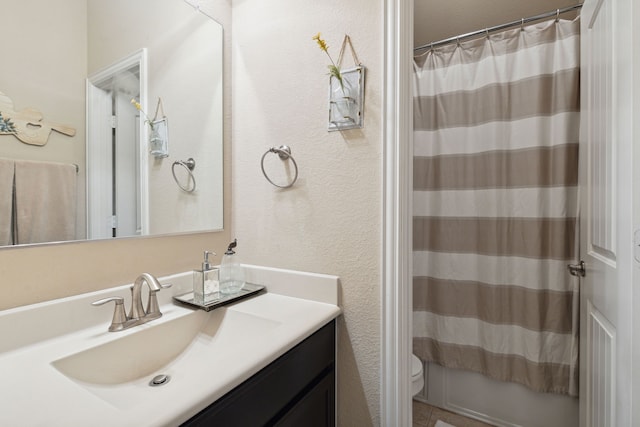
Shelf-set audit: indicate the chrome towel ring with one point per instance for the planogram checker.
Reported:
(284, 153)
(189, 165)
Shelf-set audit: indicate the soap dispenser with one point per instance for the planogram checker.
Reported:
(206, 285)
(231, 272)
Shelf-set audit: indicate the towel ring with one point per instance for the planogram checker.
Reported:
(189, 165)
(284, 153)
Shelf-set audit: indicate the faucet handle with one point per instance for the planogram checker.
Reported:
(153, 309)
(119, 316)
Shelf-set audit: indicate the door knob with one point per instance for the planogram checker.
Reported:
(577, 269)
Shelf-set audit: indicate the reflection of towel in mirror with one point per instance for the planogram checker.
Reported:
(45, 202)
(6, 201)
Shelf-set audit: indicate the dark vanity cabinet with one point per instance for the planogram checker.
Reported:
(297, 389)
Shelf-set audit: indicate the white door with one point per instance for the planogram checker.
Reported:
(126, 168)
(99, 163)
(606, 229)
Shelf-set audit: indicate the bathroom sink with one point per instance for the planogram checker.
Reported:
(60, 353)
(154, 346)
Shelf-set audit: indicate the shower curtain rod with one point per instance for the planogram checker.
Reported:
(520, 22)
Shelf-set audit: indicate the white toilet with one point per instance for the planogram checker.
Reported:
(417, 379)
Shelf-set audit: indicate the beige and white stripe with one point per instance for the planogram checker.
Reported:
(486, 104)
(536, 310)
(495, 206)
(503, 366)
(494, 338)
(510, 66)
(530, 273)
(499, 169)
(555, 202)
(545, 238)
(524, 133)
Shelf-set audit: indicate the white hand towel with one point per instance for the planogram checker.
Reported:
(45, 202)
(6, 201)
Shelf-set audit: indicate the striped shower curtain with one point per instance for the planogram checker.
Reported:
(495, 206)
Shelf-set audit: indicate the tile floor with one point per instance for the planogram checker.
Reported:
(425, 415)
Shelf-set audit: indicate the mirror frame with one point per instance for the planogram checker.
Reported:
(145, 164)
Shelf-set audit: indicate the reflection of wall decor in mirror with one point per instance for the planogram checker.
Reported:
(159, 134)
(187, 166)
(159, 138)
(28, 125)
(37, 202)
(96, 35)
(158, 130)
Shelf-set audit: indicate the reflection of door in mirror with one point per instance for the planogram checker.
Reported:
(115, 201)
(127, 203)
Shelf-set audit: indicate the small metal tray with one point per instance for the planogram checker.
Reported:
(248, 290)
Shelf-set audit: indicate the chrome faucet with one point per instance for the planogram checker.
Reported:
(137, 315)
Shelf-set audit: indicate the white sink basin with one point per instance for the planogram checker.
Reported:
(60, 354)
(156, 345)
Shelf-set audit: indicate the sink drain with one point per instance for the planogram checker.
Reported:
(159, 380)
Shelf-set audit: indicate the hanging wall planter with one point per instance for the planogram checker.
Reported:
(346, 106)
(158, 130)
(346, 89)
(159, 134)
(159, 138)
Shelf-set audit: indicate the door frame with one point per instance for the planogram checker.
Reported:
(635, 324)
(396, 328)
(95, 153)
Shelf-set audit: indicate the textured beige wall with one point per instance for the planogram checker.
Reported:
(42, 272)
(44, 65)
(330, 221)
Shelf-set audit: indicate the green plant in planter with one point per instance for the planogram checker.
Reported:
(334, 70)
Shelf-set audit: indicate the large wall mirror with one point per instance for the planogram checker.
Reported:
(81, 63)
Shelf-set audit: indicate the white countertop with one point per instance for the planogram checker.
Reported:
(35, 393)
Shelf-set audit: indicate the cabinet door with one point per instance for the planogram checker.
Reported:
(316, 408)
(278, 388)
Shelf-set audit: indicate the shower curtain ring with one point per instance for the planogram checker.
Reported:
(522, 24)
(557, 15)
